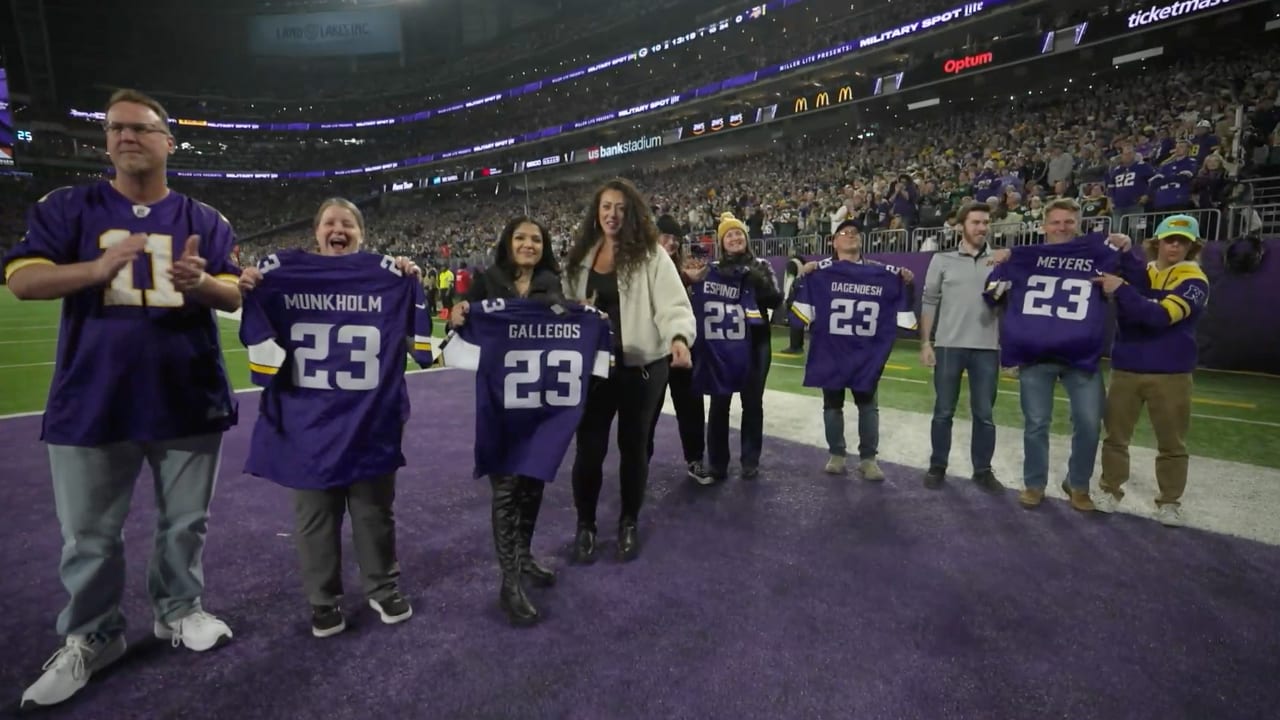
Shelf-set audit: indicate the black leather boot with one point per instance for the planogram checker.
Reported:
(506, 541)
(530, 502)
(628, 540)
(584, 544)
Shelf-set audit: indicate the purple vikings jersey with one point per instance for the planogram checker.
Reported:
(1054, 312)
(533, 364)
(135, 359)
(327, 338)
(724, 305)
(1128, 183)
(1171, 184)
(853, 311)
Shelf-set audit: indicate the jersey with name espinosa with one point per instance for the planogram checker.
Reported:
(1053, 311)
(853, 310)
(533, 364)
(328, 338)
(724, 305)
(136, 359)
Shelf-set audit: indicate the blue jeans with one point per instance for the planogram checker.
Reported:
(1085, 393)
(868, 422)
(983, 367)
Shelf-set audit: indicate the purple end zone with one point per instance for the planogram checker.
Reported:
(796, 595)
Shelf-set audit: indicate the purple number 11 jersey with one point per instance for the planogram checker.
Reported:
(328, 337)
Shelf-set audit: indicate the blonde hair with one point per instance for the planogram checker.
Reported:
(1151, 247)
(1066, 204)
(125, 95)
(343, 203)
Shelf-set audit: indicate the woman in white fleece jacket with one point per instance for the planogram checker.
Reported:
(616, 264)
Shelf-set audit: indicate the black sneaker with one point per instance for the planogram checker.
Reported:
(698, 473)
(986, 480)
(750, 472)
(327, 620)
(934, 478)
(393, 608)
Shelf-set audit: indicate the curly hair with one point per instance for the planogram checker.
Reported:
(637, 237)
(503, 256)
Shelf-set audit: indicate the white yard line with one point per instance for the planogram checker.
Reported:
(1222, 496)
(1059, 398)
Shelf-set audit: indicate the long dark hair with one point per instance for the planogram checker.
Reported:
(504, 258)
(637, 237)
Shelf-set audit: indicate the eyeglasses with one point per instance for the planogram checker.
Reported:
(115, 128)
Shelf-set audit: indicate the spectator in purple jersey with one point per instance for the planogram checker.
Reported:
(1152, 363)
(318, 511)
(1171, 184)
(1205, 142)
(846, 245)
(690, 415)
(139, 269)
(736, 258)
(617, 264)
(1039, 375)
(1127, 185)
(523, 267)
(967, 343)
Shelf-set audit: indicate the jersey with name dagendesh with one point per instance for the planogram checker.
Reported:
(533, 364)
(724, 305)
(1053, 311)
(327, 338)
(853, 311)
(136, 360)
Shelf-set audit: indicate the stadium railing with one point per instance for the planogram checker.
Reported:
(1140, 226)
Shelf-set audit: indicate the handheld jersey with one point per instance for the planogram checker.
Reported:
(849, 308)
(724, 305)
(327, 338)
(136, 360)
(1054, 312)
(533, 365)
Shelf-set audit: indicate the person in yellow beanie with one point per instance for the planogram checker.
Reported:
(725, 316)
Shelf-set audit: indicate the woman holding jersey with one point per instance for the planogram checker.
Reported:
(617, 265)
(523, 267)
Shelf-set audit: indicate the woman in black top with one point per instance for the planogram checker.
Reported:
(736, 256)
(523, 267)
(690, 415)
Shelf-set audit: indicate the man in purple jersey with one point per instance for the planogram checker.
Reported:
(138, 378)
(848, 302)
(1053, 329)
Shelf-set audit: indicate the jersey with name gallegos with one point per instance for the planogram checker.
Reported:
(853, 311)
(724, 305)
(327, 337)
(533, 364)
(1053, 311)
(136, 360)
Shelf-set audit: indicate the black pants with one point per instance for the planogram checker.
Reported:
(318, 516)
(633, 395)
(752, 398)
(690, 415)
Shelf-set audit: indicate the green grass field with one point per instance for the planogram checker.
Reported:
(1236, 416)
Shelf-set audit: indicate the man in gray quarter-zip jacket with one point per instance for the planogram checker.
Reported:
(967, 339)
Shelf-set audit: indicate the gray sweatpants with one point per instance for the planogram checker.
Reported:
(93, 489)
(318, 517)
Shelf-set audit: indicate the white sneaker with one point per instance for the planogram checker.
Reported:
(71, 667)
(199, 631)
(870, 470)
(1170, 515)
(1106, 502)
(835, 465)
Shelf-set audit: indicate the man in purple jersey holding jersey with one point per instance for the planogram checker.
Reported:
(1053, 329)
(138, 378)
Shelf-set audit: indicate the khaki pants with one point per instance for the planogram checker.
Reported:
(1168, 401)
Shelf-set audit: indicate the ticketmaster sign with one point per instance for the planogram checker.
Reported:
(350, 32)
